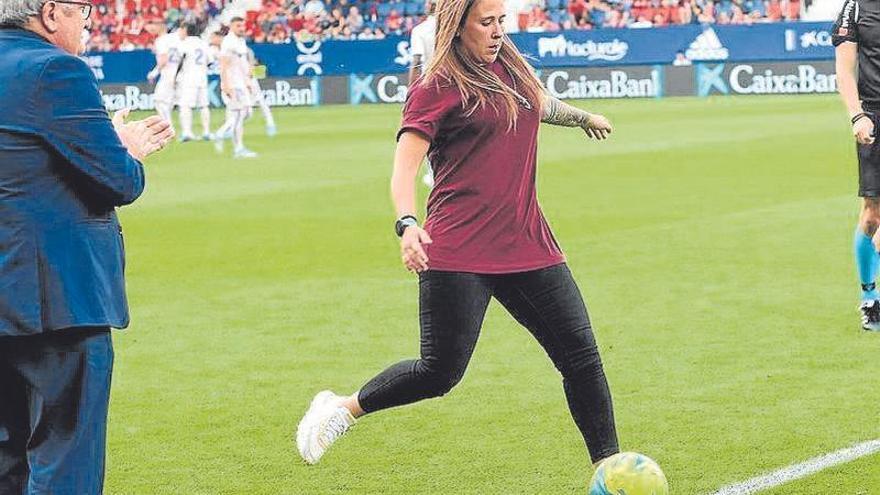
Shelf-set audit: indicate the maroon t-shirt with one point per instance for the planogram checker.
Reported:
(483, 212)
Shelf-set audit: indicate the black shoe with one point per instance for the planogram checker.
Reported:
(870, 315)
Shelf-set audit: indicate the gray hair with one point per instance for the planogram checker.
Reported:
(16, 12)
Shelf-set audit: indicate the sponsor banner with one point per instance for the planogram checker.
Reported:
(294, 92)
(598, 48)
(134, 96)
(808, 42)
(638, 81)
(121, 67)
(605, 47)
(765, 78)
(563, 83)
(601, 83)
(377, 88)
(335, 57)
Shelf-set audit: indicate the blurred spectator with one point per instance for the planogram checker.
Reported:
(793, 12)
(394, 22)
(538, 20)
(355, 20)
(134, 24)
(774, 10)
(315, 8)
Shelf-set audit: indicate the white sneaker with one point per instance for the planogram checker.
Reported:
(218, 143)
(324, 422)
(244, 153)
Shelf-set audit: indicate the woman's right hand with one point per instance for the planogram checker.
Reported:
(412, 249)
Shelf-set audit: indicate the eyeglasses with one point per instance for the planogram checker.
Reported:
(85, 8)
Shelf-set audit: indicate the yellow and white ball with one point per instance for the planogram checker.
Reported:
(629, 473)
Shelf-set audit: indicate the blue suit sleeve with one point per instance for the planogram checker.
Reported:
(78, 127)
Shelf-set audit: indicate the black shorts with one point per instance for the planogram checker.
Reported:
(869, 165)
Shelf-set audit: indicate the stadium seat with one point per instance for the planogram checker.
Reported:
(383, 9)
(411, 8)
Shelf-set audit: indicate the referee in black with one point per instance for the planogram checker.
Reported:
(856, 38)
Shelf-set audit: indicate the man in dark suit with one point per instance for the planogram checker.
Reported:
(64, 168)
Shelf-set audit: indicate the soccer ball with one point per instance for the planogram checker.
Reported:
(629, 473)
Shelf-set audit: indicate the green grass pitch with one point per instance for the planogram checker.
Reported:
(711, 239)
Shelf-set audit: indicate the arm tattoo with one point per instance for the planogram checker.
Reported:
(558, 113)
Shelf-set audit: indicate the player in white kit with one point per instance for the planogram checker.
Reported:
(235, 72)
(216, 39)
(168, 55)
(193, 84)
(257, 96)
(421, 45)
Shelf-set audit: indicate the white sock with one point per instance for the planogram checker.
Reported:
(267, 113)
(163, 109)
(227, 124)
(186, 121)
(238, 130)
(206, 120)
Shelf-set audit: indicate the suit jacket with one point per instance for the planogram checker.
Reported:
(63, 171)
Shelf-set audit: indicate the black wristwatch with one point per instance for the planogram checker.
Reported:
(403, 222)
(859, 116)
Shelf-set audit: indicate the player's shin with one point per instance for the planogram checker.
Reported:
(205, 114)
(163, 109)
(867, 261)
(186, 123)
(267, 114)
(238, 130)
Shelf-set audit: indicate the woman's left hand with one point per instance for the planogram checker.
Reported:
(597, 127)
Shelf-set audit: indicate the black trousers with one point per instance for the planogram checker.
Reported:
(54, 393)
(547, 302)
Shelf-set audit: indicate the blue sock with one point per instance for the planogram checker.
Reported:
(867, 261)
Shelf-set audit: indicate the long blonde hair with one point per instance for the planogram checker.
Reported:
(475, 81)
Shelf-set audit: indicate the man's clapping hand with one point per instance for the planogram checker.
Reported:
(144, 137)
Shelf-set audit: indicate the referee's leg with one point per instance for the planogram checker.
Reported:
(67, 377)
(866, 236)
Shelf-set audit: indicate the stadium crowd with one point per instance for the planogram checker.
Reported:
(130, 24)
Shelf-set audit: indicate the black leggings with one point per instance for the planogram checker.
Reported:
(547, 302)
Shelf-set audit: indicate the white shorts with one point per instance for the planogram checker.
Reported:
(194, 97)
(240, 100)
(164, 92)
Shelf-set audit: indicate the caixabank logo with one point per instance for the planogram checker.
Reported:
(765, 79)
(297, 92)
(631, 82)
(290, 92)
(376, 88)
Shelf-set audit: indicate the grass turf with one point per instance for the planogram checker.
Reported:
(711, 239)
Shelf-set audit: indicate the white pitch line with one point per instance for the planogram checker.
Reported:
(802, 470)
